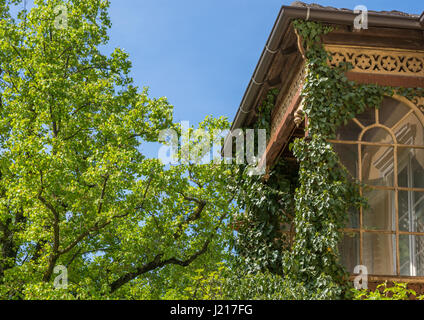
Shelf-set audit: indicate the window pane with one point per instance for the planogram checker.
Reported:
(411, 211)
(350, 131)
(379, 253)
(377, 135)
(409, 131)
(381, 213)
(411, 254)
(411, 168)
(349, 251)
(377, 165)
(391, 111)
(348, 154)
(353, 218)
(367, 117)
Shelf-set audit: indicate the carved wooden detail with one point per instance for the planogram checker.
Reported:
(379, 61)
(282, 107)
(299, 115)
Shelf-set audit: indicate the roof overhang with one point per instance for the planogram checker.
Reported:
(313, 13)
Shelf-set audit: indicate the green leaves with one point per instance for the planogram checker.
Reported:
(75, 187)
(317, 196)
(396, 291)
(267, 206)
(325, 190)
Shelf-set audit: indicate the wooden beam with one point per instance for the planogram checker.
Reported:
(282, 133)
(386, 80)
(407, 279)
(376, 37)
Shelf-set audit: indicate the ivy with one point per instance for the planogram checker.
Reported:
(264, 111)
(266, 203)
(315, 196)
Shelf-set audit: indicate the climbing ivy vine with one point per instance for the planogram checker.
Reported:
(315, 196)
(268, 205)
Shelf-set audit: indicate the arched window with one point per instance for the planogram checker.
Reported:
(384, 149)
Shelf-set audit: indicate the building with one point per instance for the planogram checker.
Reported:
(382, 147)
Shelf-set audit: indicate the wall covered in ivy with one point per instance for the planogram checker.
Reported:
(312, 197)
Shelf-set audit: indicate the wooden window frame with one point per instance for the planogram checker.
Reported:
(361, 230)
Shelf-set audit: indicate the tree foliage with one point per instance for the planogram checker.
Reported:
(75, 188)
(396, 291)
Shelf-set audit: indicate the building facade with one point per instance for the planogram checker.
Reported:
(381, 147)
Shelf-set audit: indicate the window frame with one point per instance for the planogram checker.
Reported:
(395, 231)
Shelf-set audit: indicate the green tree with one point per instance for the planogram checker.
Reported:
(75, 188)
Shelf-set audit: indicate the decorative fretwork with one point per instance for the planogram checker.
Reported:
(381, 61)
(287, 99)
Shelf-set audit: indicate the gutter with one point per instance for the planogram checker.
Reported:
(288, 13)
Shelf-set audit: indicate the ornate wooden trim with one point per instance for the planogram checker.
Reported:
(385, 61)
(281, 108)
(386, 80)
(281, 135)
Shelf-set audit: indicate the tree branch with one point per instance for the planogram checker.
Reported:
(157, 262)
(98, 226)
(102, 196)
(56, 238)
(193, 216)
